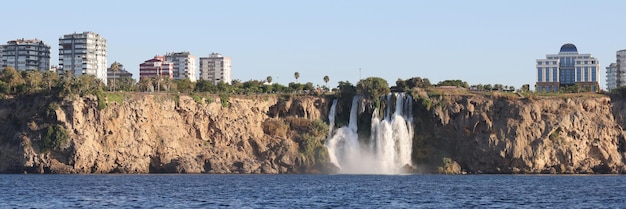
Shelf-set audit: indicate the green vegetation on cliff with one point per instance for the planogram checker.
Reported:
(53, 137)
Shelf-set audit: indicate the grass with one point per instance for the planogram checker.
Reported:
(198, 99)
(115, 97)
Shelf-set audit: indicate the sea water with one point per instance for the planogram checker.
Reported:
(312, 191)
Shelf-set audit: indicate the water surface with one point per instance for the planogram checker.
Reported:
(312, 191)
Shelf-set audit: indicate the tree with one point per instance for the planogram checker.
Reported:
(525, 88)
(401, 84)
(115, 67)
(126, 84)
(372, 87)
(12, 77)
(457, 83)
(269, 79)
(145, 84)
(297, 75)
(184, 85)
(33, 80)
(488, 87)
(498, 87)
(326, 79)
(225, 87)
(84, 84)
(167, 84)
(50, 78)
(65, 82)
(205, 86)
(297, 87)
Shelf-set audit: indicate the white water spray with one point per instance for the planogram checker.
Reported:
(387, 150)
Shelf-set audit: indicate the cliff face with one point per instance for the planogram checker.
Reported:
(146, 133)
(157, 133)
(504, 135)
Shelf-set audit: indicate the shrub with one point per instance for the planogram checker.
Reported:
(224, 100)
(275, 127)
(315, 128)
(53, 137)
(101, 103)
(197, 98)
(176, 99)
(115, 97)
(311, 147)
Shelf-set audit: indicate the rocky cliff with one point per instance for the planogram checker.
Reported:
(145, 133)
(153, 133)
(505, 134)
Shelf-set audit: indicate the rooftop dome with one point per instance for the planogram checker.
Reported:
(568, 48)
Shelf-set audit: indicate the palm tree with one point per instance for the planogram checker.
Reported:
(12, 77)
(326, 79)
(50, 78)
(297, 75)
(114, 67)
(269, 79)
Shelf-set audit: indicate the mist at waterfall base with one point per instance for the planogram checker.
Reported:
(386, 151)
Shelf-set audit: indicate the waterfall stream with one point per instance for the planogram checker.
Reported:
(386, 151)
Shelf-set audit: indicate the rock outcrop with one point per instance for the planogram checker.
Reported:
(570, 134)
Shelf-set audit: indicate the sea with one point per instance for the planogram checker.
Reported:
(312, 191)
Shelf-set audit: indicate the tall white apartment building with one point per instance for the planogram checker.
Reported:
(616, 72)
(216, 68)
(567, 68)
(84, 54)
(24, 54)
(185, 65)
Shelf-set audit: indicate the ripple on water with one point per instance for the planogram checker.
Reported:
(311, 191)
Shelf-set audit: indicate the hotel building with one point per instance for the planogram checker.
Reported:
(567, 68)
(23, 54)
(216, 68)
(84, 54)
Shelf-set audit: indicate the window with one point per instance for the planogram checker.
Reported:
(586, 74)
(586, 62)
(539, 75)
(539, 63)
(554, 73)
(547, 75)
(578, 74)
(593, 74)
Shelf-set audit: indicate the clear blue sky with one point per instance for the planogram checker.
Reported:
(481, 42)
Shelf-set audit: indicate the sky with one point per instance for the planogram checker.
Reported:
(481, 42)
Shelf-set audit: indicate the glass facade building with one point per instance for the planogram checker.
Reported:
(567, 68)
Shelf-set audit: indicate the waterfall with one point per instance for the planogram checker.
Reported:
(386, 151)
(331, 125)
